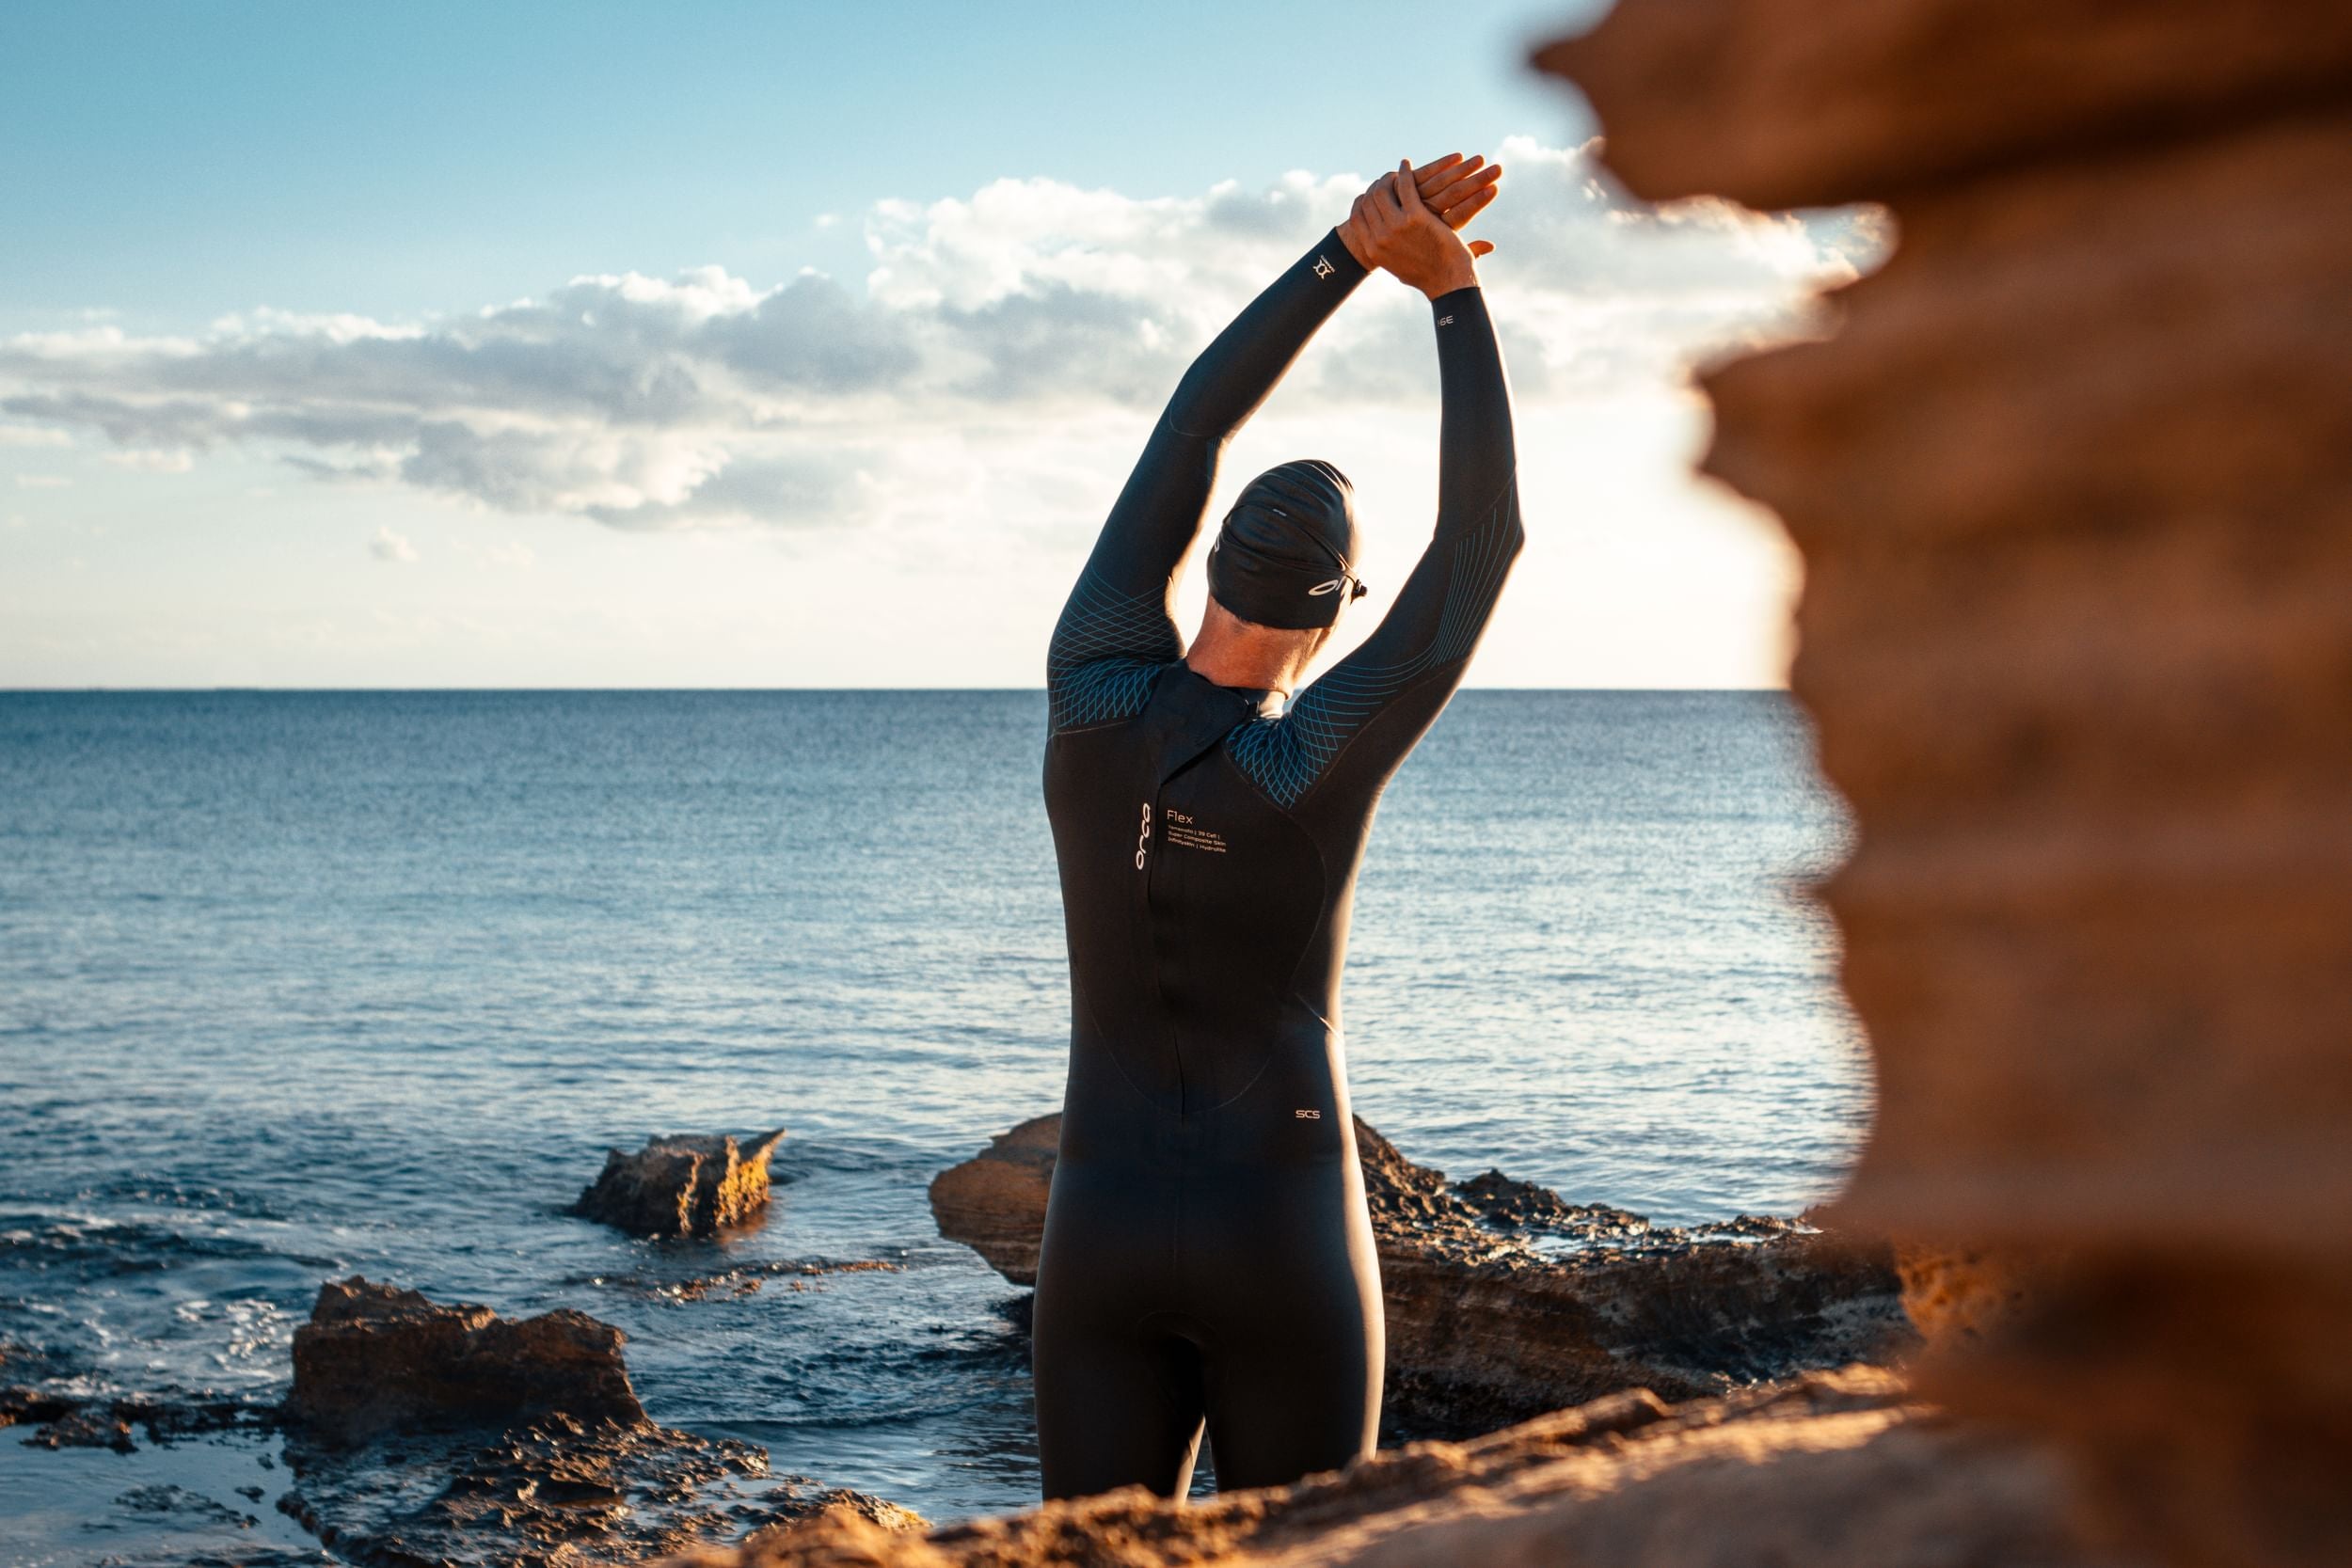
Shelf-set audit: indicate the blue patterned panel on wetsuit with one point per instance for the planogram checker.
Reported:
(1285, 757)
(1106, 650)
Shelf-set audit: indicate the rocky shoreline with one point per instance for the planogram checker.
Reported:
(1504, 1302)
(418, 1431)
(422, 1432)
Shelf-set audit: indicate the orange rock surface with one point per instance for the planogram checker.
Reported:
(2072, 481)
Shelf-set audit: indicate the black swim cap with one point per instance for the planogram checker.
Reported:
(1286, 556)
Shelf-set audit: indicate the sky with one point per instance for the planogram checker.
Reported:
(778, 345)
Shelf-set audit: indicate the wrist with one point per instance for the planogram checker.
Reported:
(1452, 278)
(1348, 241)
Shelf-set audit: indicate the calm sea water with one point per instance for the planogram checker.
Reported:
(294, 985)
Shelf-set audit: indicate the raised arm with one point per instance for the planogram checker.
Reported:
(1347, 732)
(1116, 628)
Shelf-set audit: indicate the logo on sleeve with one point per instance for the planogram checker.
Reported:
(1324, 268)
(1308, 1116)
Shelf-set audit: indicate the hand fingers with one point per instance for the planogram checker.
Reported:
(1408, 193)
(1433, 172)
(1478, 188)
(1434, 188)
(1470, 208)
(1477, 171)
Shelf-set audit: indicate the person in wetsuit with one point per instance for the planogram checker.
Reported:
(1207, 1251)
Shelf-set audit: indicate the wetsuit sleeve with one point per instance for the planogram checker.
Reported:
(1348, 731)
(1116, 631)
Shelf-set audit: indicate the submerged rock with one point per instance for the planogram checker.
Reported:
(745, 1279)
(1835, 1472)
(58, 1415)
(373, 1358)
(1504, 1301)
(94, 1425)
(683, 1186)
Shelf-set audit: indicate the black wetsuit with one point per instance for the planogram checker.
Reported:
(1207, 1251)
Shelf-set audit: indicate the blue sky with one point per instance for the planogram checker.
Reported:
(254, 260)
(179, 161)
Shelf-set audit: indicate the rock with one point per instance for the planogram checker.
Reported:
(556, 1493)
(995, 1203)
(93, 1425)
(1805, 102)
(2072, 481)
(1487, 1325)
(745, 1279)
(22, 1406)
(1958, 1296)
(833, 1505)
(1836, 1471)
(182, 1504)
(373, 1358)
(423, 1433)
(683, 1186)
(1524, 1206)
(59, 1416)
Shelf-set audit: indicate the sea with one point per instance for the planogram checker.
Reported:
(300, 985)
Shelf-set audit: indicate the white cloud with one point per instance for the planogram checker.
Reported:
(152, 461)
(43, 482)
(988, 328)
(33, 436)
(394, 547)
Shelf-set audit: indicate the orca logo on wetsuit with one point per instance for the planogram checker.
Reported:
(1320, 589)
(1143, 839)
(1324, 268)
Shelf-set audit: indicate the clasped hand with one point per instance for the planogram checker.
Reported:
(1404, 222)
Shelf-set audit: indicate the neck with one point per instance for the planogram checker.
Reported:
(1237, 653)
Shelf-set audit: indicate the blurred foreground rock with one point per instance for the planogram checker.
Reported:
(2073, 483)
(1835, 1471)
(1504, 1302)
(682, 1187)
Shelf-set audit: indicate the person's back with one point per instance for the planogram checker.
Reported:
(1207, 1249)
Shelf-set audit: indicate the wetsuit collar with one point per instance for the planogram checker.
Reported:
(1255, 701)
(1189, 713)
